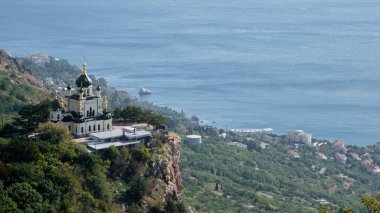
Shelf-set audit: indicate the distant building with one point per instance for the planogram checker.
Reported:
(354, 156)
(293, 154)
(299, 136)
(320, 155)
(193, 139)
(340, 158)
(223, 135)
(250, 132)
(365, 163)
(38, 58)
(371, 168)
(377, 144)
(238, 145)
(339, 144)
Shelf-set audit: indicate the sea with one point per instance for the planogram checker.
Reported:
(283, 64)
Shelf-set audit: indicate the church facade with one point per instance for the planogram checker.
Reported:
(80, 110)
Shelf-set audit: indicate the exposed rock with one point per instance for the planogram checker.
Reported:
(165, 168)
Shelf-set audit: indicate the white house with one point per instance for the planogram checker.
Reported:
(299, 136)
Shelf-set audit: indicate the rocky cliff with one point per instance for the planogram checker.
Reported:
(165, 170)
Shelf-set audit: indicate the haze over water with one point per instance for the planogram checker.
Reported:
(285, 64)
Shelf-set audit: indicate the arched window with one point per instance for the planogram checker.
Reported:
(89, 128)
(99, 127)
(69, 128)
(94, 128)
(90, 111)
(81, 129)
(58, 116)
(108, 126)
(51, 117)
(76, 129)
(93, 112)
(87, 113)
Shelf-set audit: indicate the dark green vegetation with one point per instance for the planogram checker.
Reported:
(27, 119)
(138, 114)
(50, 175)
(224, 178)
(54, 174)
(372, 203)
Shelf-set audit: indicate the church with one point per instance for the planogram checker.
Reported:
(81, 111)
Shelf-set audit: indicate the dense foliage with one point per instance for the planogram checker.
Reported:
(51, 175)
(137, 114)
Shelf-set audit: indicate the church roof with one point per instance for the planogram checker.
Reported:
(83, 80)
(55, 105)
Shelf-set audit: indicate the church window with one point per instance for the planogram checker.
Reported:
(81, 129)
(76, 129)
(93, 112)
(58, 116)
(89, 128)
(69, 128)
(99, 127)
(87, 113)
(90, 111)
(94, 128)
(108, 126)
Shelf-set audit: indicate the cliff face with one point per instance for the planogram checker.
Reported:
(165, 170)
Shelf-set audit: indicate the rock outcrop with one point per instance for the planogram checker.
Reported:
(165, 170)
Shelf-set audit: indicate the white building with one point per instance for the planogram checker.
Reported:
(238, 145)
(81, 112)
(299, 136)
(126, 136)
(193, 139)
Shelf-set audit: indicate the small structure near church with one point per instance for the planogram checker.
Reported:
(193, 139)
(126, 136)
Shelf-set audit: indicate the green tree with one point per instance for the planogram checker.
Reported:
(21, 149)
(372, 203)
(132, 112)
(111, 153)
(140, 154)
(54, 133)
(31, 115)
(118, 113)
(7, 205)
(24, 195)
(137, 190)
(88, 202)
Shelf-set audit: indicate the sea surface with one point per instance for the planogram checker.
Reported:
(283, 64)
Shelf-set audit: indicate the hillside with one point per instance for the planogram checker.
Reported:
(216, 176)
(18, 86)
(58, 73)
(267, 176)
(54, 174)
